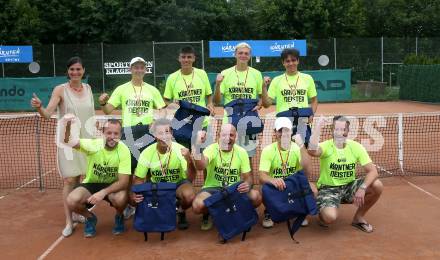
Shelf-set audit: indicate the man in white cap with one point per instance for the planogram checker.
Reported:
(137, 100)
(281, 159)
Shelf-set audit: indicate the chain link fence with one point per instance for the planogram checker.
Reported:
(107, 64)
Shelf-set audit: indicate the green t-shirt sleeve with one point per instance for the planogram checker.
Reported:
(157, 99)
(273, 87)
(325, 148)
(223, 85)
(296, 151)
(259, 81)
(141, 168)
(362, 154)
(90, 146)
(210, 152)
(124, 161)
(168, 93)
(245, 165)
(207, 85)
(311, 89)
(115, 98)
(266, 159)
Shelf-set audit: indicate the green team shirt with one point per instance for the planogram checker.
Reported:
(221, 169)
(103, 166)
(176, 88)
(136, 103)
(271, 162)
(338, 166)
(280, 91)
(150, 162)
(235, 85)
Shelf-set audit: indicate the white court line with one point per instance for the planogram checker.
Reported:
(52, 247)
(422, 190)
(27, 183)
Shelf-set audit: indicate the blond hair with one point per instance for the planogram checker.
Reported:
(242, 45)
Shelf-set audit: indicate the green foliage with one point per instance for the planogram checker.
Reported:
(420, 59)
(137, 21)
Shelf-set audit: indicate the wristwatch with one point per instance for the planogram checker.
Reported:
(363, 186)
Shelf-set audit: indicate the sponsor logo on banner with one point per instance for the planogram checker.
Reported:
(270, 48)
(16, 54)
(123, 67)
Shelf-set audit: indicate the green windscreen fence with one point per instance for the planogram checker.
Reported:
(419, 82)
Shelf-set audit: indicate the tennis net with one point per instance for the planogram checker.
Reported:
(399, 144)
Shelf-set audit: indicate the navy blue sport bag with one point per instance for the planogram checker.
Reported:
(296, 201)
(294, 114)
(242, 108)
(232, 212)
(184, 121)
(157, 212)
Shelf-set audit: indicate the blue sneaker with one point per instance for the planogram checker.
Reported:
(119, 227)
(90, 226)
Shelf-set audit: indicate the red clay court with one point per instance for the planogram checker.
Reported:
(405, 217)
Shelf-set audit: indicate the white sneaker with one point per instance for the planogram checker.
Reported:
(67, 231)
(129, 211)
(267, 221)
(305, 223)
(78, 218)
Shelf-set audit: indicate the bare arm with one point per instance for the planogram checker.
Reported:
(67, 120)
(266, 100)
(191, 169)
(210, 105)
(217, 92)
(314, 149)
(371, 174)
(106, 107)
(314, 104)
(55, 99)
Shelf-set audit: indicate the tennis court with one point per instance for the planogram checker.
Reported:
(405, 217)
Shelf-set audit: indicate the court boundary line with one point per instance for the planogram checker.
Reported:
(420, 189)
(53, 245)
(27, 183)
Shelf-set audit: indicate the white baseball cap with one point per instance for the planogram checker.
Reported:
(137, 59)
(282, 122)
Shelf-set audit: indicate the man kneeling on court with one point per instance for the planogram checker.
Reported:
(167, 161)
(226, 163)
(107, 176)
(281, 159)
(337, 181)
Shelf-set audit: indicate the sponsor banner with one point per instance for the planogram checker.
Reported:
(16, 54)
(260, 48)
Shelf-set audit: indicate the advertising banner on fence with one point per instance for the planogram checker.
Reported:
(331, 85)
(270, 48)
(16, 54)
(16, 93)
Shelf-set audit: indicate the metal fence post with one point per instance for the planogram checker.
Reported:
(102, 67)
(417, 45)
(203, 55)
(39, 164)
(53, 60)
(381, 55)
(334, 47)
(3, 66)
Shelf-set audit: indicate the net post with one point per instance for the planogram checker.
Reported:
(400, 141)
(37, 140)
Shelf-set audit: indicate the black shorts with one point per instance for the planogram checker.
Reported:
(94, 188)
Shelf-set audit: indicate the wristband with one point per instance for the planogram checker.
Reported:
(103, 104)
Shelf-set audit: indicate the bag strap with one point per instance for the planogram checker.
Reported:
(154, 199)
(295, 226)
